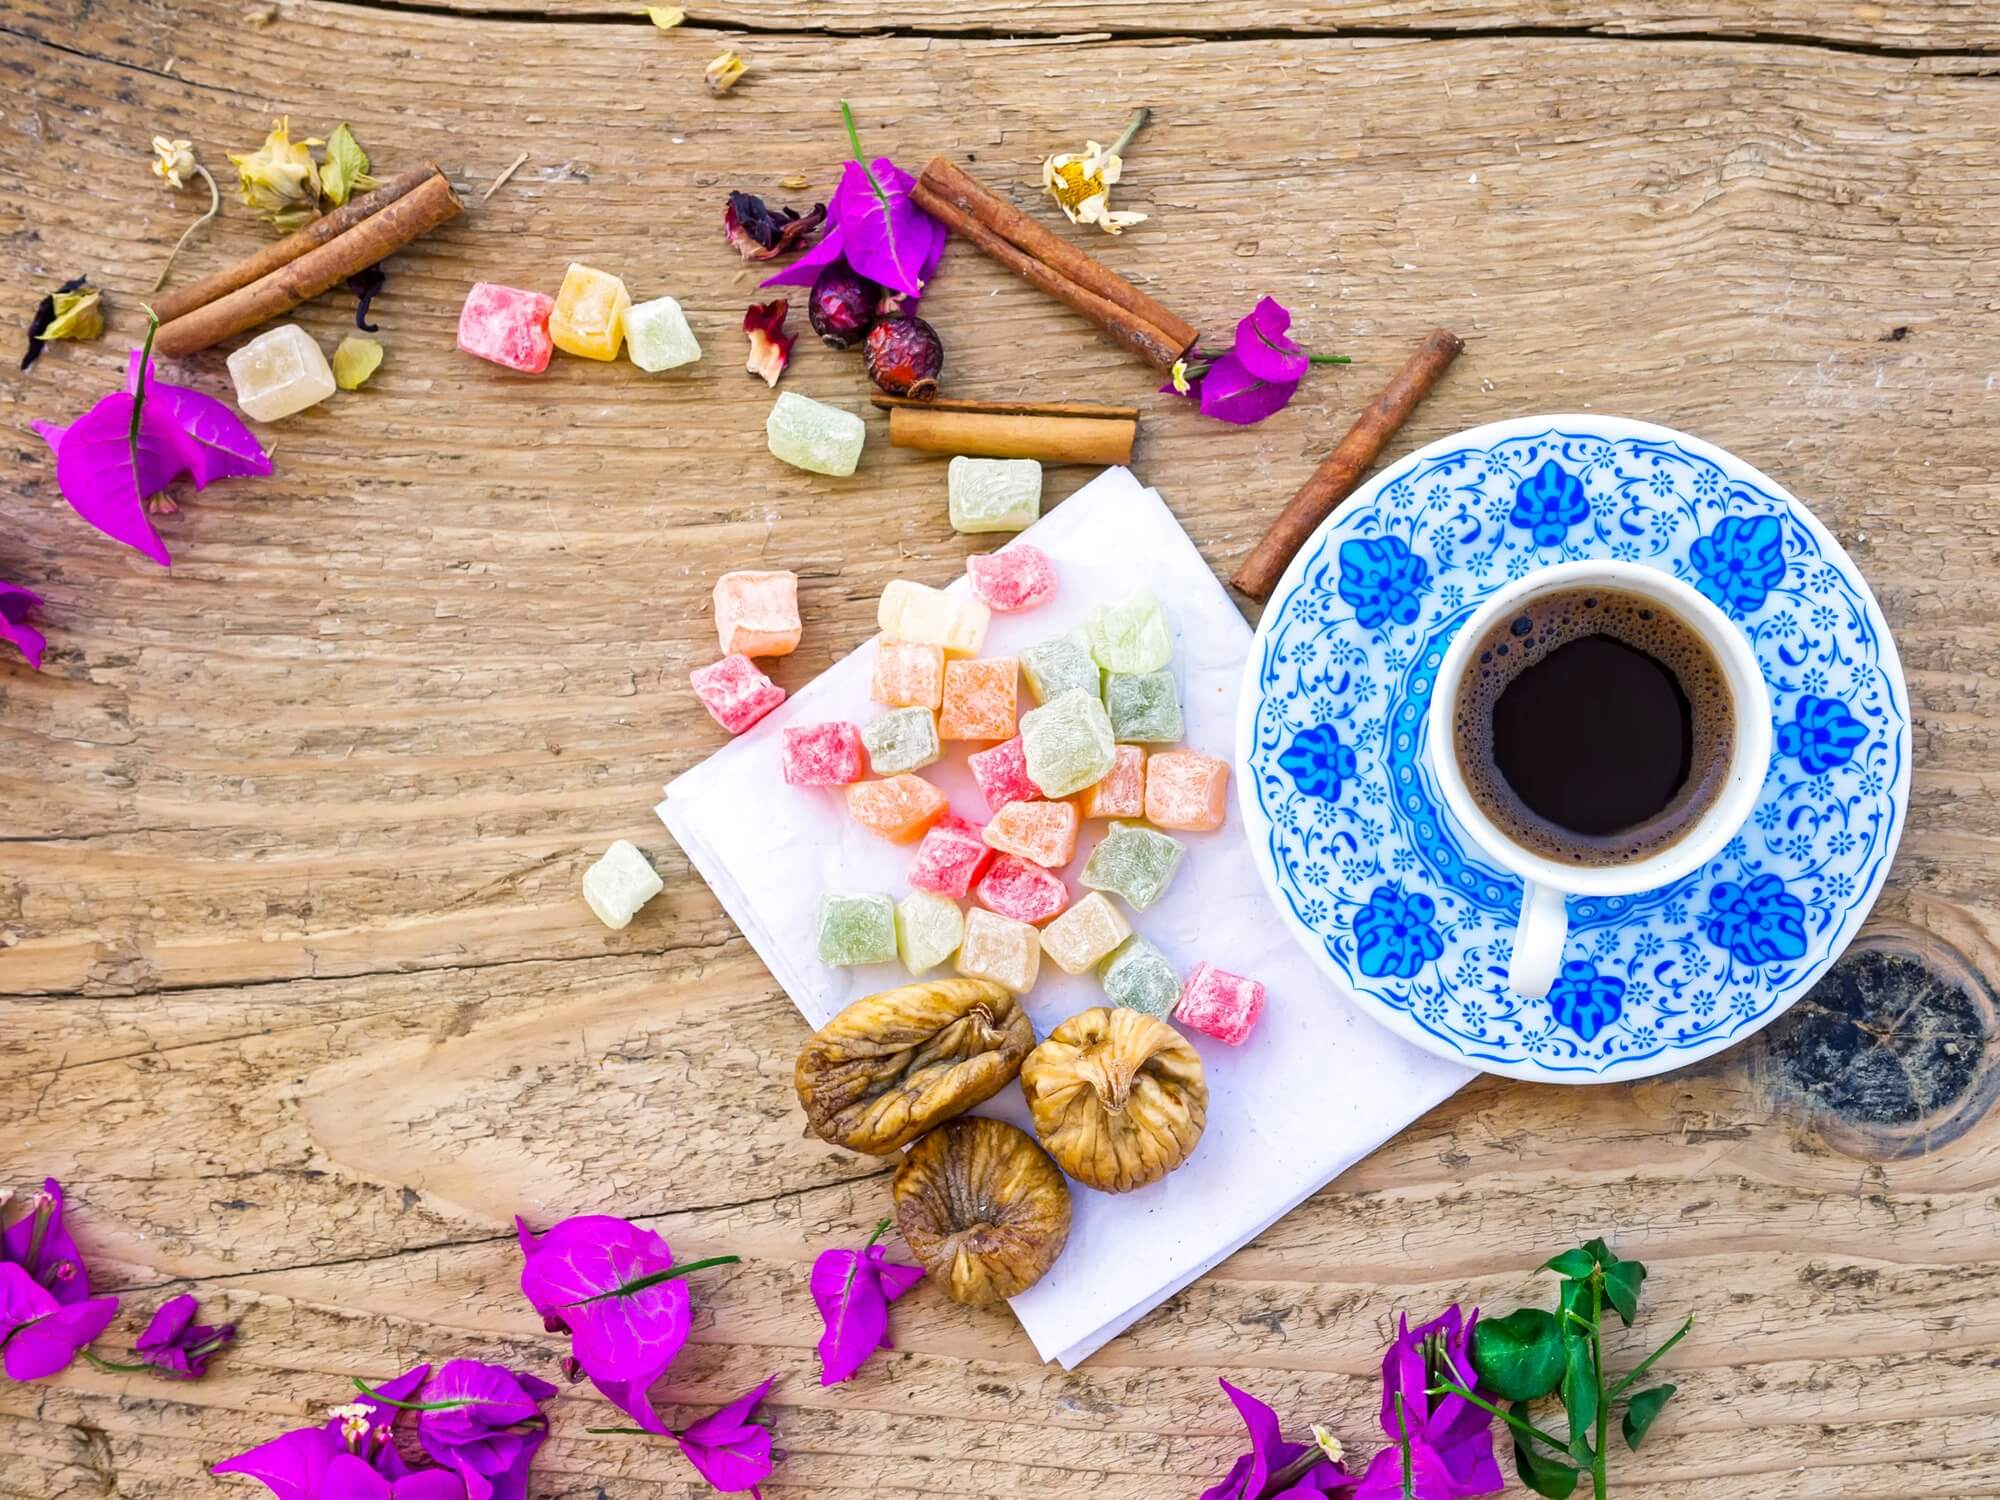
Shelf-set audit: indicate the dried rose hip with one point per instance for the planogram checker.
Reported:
(984, 1209)
(890, 1066)
(842, 305)
(904, 357)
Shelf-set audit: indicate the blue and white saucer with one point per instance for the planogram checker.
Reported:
(1388, 893)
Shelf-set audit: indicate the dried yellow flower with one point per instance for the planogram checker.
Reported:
(665, 16)
(723, 72)
(1327, 1443)
(1180, 377)
(1081, 181)
(79, 315)
(173, 161)
(280, 180)
(345, 170)
(354, 361)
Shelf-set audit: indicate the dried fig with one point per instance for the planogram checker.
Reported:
(891, 1066)
(1118, 1097)
(984, 1209)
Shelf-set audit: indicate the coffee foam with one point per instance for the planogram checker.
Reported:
(1527, 635)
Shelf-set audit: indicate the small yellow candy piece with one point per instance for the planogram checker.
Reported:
(931, 617)
(589, 317)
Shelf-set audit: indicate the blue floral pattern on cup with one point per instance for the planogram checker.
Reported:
(1407, 912)
(1740, 562)
(1584, 1000)
(1548, 503)
(1319, 762)
(1383, 580)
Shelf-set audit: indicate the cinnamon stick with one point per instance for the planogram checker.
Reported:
(353, 249)
(1336, 477)
(1079, 281)
(1053, 433)
(183, 300)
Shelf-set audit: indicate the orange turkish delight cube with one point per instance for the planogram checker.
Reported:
(980, 699)
(900, 808)
(908, 675)
(1122, 792)
(1044, 832)
(1186, 790)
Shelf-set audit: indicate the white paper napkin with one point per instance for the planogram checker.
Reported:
(1316, 1087)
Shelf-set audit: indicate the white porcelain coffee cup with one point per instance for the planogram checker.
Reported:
(1547, 883)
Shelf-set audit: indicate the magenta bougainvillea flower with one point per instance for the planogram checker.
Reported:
(729, 1449)
(1274, 1467)
(134, 443)
(853, 1290)
(46, 1311)
(176, 1345)
(615, 1290)
(874, 226)
(350, 1456)
(15, 602)
(485, 1424)
(1258, 376)
(1449, 1440)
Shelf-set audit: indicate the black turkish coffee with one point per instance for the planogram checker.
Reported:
(1594, 726)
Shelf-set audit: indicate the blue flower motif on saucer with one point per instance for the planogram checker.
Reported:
(1319, 762)
(1548, 503)
(1405, 912)
(1383, 580)
(1822, 735)
(1758, 921)
(1584, 1000)
(1394, 934)
(1740, 562)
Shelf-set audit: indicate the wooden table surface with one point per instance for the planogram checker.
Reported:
(301, 998)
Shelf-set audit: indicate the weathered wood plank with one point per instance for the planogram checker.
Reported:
(301, 998)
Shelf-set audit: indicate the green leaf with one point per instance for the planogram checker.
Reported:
(1641, 1410)
(345, 170)
(1602, 1253)
(1543, 1475)
(1576, 1262)
(1521, 1355)
(1574, 1298)
(1579, 1393)
(1621, 1288)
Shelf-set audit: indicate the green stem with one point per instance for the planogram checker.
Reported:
(1403, 1447)
(880, 1230)
(214, 205)
(854, 142)
(1132, 127)
(670, 1274)
(1330, 359)
(1525, 1428)
(374, 1395)
(1597, 1488)
(115, 1369)
(625, 1432)
(1647, 1363)
(139, 394)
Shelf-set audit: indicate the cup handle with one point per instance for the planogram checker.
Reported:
(1538, 941)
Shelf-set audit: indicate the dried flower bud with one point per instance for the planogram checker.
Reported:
(345, 170)
(279, 181)
(173, 161)
(770, 345)
(77, 315)
(723, 72)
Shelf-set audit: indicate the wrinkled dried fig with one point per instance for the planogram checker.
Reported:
(891, 1066)
(984, 1209)
(1118, 1097)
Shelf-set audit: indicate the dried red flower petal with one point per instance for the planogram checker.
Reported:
(770, 345)
(760, 232)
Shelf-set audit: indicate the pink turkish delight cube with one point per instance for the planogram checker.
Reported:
(735, 693)
(507, 326)
(822, 754)
(1019, 577)
(1002, 774)
(1220, 1004)
(1026, 892)
(950, 858)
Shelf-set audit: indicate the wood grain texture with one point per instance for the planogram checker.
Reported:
(299, 993)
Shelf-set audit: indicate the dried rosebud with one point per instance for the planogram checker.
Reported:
(723, 72)
(280, 180)
(770, 345)
(760, 232)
